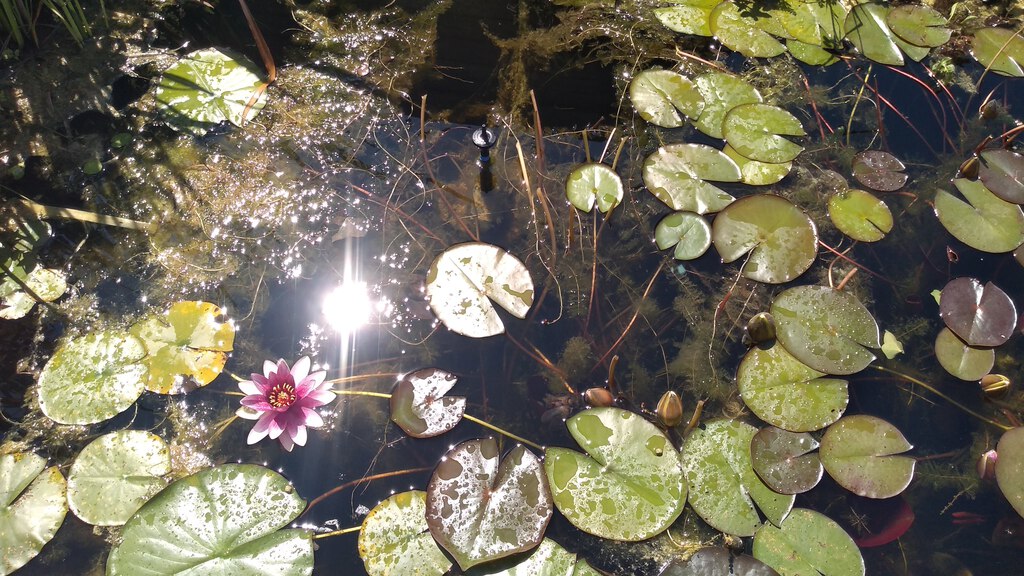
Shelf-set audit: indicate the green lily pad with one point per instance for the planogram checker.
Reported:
(818, 24)
(395, 538)
(757, 173)
(419, 405)
(891, 347)
(207, 87)
(1000, 50)
(677, 175)
(665, 98)
(690, 233)
(630, 487)
(960, 359)
(1002, 172)
(756, 131)
(93, 378)
(879, 170)
(32, 507)
(187, 347)
(985, 222)
(48, 285)
(919, 25)
(828, 330)
(547, 559)
(811, 54)
(785, 460)
(860, 215)
(465, 278)
(225, 520)
(592, 182)
(721, 92)
(480, 510)
(723, 484)
(860, 453)
(979, 315)
(781, 239)
(1010, 467)
(735, 32)
(807, 544)
(866, 28)
(115, 474)
(787, 393)
(717, 561)
(688, 16)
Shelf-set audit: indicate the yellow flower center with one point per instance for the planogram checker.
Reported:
(282, 395)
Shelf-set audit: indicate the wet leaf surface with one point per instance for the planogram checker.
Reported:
(1000, 50)
(919, 25)
(592, 183)
(960, 359)
(547, 559)
(757, 173)
(785, 460)
(32, 507)
(722, 92)
(985, 222)
(689, 233)
(808, 543)
(1002, 172)
(665, 98)
(866, 28)
(395, 538)
(756, 131)
(781, 239)
(419, 405)
(1010, 467)
(981, 315)
(879, 170)
(860, 215)
(677, 175)
(861, 453)
(688, 16)
(736, 33)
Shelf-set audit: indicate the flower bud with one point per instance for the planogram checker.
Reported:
(670, 410)
(598, 397)
(987, 465)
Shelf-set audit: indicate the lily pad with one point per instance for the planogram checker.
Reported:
(721, 92)
(808, 543)
(866, 28)
(818, 24)
(465, 278)
(735, 32)
(781, 239)
(32, 507)
(221, 521)
(677, 173)
(419, 405)
(92, 378)
(688, 16)
(785, 460)
(985, 222)
(723, 484)
(48, 285)
(690, 234)
(811, 54)
(630, 487)
(757, 173)
(187, 347)
(479, 509)
(718, 561)
(828, 330)
(860, 453)
(1010, 467)
(787, 393)
(1000, 50)
(979, 315)
(1002, 172)
(919, 25)
(860, 215)
(592, 182)
(665, 98)
(207, 87)
(756, 131)
(115, 474)
(547, 559)
(960, 359)
(879, 170)
(395, 538)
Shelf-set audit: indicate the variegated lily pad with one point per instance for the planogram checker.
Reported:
(781, 239)
(419, 405)
(395, 538)
(861, 453)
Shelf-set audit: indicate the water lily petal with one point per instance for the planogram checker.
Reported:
(318, 398)
(275, 427)
(298, 435)
(257, 402)
(260, 429)
(268, 368)
(262, 383)
(249, 387)
(310, 383)
(312, 418)
(300, 369)
(286, 442)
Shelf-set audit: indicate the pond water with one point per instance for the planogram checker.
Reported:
(313, 228)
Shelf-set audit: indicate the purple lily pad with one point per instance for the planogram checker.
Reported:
(785, 460)
(1002, 172)
(419, 405)
(979, 315)
(879, 170)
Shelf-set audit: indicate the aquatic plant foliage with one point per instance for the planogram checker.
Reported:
(32, 507)
(984, 221)
(395, 538)
(808, 542)
(786, 460)
(776, 239)
(419, 405)
(594, 182)
(981, 315)
(46, 283)
(879, 170)
(688, 232)
(1010, 467)
(960, 359)
(860, 215)
(861, 453)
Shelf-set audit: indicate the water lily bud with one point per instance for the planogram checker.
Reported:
(760, 328)
(994, 385)
(970, 168)
(987, 465)
(598, 397)
(670, 410)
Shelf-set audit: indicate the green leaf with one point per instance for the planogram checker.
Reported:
(665, 98)
(630, 487)
(781, 239)
(721, 92)
(92, 378)
(207, 87)
(817, 24)
(187, 347)
(985, 222)
(756, 131)
(688, 16)
(395, 538)
(47, 284)
(828, 330)
(1010, 467)
(811, 54)
(757, 173)
(960, 359)
(859, 452)
(480, 510)
(999, 50)
(737, 33)
(419, 405)
(222, 521)
(808, 543)
(860, 215)
(891, 347)
(547, 559)
(676, 174)
(465, 278)
(592, 182)
(32, 507)
(919, 25)
(787, 393)
(690, 233)
(115, 474)
(785, 460)
(865, 26)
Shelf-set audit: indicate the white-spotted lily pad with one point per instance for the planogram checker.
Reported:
(547, 559)
(722, 481)
(985, 222)
(756, 131)
(861, 453)
(480, 509)
(419, 405)
(981, 315)
(32, 507)
(879, 170)
(594, 182)
(48, 285)
(93, 378)
(737, 33)
(787, 393)
(866, 28)
(222, 521)
(207, 87)
(688, 16)
(395, 538)
(1000, 50)
(1010, 468)
(757, 173)
(690, 234)
(828, 330)
(115, 474)
(960, 359)
(785, 460)
(677, 174)
(860, 215)
(665, 98)
(919, 25)
(722, 92)
(464, 279)
(808, 543)
(1002, 172)
(630, 487)
(781, 239)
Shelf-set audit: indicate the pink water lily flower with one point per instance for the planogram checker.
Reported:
(282, 401)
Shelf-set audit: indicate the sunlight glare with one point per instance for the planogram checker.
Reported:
(348, 307)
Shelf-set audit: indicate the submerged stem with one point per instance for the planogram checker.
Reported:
(935, 391)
